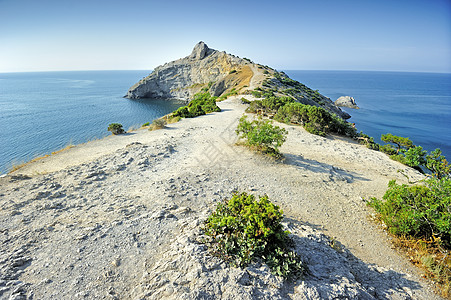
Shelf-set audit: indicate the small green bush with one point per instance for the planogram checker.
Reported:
(158, 124)
(400, 142)
(245, 101)
(387, 149)
(243, 229)
(262, 135)
(421, 211)
(201, 104)
(145, 124)
(116, 128)
(437, 164)
(257, 94)
(233, 92)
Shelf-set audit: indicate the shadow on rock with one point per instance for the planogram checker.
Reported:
(335, 173)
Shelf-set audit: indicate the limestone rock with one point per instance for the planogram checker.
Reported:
(181, 79)
(220, 73)
(346, 101)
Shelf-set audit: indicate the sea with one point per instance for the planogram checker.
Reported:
(42, 112)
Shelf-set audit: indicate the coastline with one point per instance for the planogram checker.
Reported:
(122, 190)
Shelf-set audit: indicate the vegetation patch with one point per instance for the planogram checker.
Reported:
(420, 217)
(262, 135)
(244, 229)
(285, 109)
(232, 92)
(201, 104)
(158, 124)
(404, 151)
(116, 128)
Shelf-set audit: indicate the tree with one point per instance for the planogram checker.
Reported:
(400, 142)
(437, 164)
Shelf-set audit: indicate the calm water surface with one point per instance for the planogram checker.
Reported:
(44, 112)
(414, 105)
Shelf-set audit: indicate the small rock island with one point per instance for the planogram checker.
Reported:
(222, 73)
(346, 101)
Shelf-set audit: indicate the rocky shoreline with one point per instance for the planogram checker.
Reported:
(121, 218)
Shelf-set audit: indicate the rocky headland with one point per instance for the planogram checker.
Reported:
(121, 218)
(221, 74)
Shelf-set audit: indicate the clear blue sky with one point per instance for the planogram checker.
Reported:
(391, 35)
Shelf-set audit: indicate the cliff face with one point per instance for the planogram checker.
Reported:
(185, 77)
(221, 73)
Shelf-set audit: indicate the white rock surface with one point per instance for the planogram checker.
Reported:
(124, 223)
(346, 101)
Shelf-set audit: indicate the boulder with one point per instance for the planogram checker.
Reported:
(346, 101)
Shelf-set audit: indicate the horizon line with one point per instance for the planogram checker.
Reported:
(151, 70)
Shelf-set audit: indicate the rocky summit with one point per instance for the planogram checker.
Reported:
(221, 74)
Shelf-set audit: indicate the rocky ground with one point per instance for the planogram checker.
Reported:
(121, 218)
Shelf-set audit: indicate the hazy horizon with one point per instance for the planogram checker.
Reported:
(350, 35)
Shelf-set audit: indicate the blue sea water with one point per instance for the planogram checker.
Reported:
(44, 112)
(414, 105)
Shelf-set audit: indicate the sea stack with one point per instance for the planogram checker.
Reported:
(346, 101)
(221, 73)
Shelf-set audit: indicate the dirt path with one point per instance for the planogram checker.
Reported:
(118, 218)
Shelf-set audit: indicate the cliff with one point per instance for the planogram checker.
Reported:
(221, 73)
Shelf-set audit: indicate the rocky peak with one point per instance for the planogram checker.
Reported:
(199, 51)
(221, 73)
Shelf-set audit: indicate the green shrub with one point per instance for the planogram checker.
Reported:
(414, 157)
(145, 124)
(437, 164)
(400, 142)
(315, 120)
(158, 124)
(245, 101)
(201, 104)
(387, 149)
(233, 92)
(257, 94)
(116, 128)
(421, 211)
(243, 229)
(262, 135)
(255, 106)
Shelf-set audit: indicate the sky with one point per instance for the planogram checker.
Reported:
(382, 35)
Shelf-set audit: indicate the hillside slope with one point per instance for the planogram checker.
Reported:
(222, 73)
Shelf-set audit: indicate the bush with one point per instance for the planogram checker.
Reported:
(400, 142)
(368, 141)
(245, 101)
(145, 124)
(420, 217)
(421, 211)
(201, 104)
(315, 120)
(243, 229)
(116, 128)
(262, 135)
(158, 124)
(387, 149)
(437, 164)
(233, 92)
